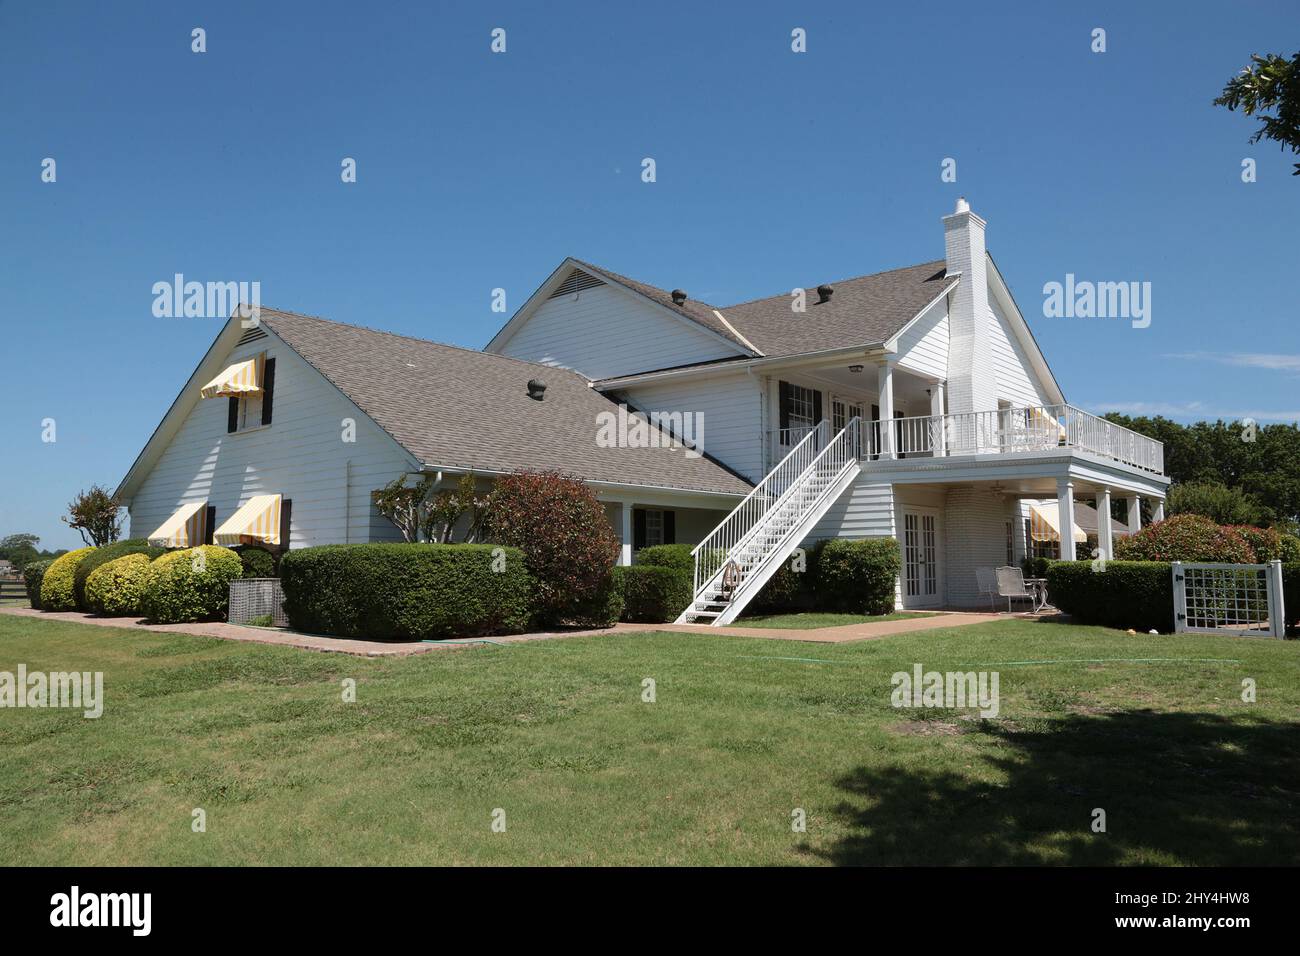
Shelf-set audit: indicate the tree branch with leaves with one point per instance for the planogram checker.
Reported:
(1270, 82)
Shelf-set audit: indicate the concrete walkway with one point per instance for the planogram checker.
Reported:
(339, 645)
(842, 634)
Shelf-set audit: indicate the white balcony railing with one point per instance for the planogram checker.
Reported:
(1001, 432)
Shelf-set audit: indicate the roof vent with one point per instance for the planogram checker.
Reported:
(678, 296)
(536, 389)
(824, 293)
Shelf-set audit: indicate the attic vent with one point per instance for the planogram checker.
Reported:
(678, 296)
(252, 335)
(576, 282)
(536, 389)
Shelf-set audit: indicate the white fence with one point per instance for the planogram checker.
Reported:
(1229, 599)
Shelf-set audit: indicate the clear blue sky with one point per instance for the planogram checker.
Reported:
(478, 170)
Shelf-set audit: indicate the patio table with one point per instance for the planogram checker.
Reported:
(1038, 586)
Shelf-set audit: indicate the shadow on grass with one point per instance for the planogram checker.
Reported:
(1184, 788)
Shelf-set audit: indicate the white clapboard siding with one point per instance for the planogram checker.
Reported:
(864, 510)
(606, 332)
(300, 455)
(1016, 381)
(923, 347)
(730, 409)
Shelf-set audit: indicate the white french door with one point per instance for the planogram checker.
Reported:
(922, 558)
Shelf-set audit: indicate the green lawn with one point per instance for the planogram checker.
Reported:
(743, 732)
(813, 619)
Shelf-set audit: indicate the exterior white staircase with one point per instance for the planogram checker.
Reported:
(734, 562)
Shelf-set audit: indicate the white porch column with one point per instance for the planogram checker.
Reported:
(1065, 516)
(885, 383)
(1158, 510)
(1134, 503)
(937, 430)
(1105, 546)
(625, 555)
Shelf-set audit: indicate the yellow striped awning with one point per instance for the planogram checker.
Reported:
(256, 522)
(1045, 523)
(185, 529)
(238, 379)
(1043, 423)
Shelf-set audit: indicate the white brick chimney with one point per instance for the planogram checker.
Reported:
(971, 385)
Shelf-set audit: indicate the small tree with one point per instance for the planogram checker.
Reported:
(419, 513)
(94, 514)
(405, 505)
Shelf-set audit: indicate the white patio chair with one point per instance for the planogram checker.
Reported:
(988, 584)
(1011, 585)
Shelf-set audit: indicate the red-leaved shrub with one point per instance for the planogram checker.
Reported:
(1186, 537)
(1265, 542)
(568, 544)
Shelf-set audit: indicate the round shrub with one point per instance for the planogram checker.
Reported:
(858, 577)
(190, 585)
(116, 589)
(1185, 537)
(257, 562)
(103, 555)
(33, 571)
(58, 585)
(654, 594)
(406, 592)
(568, 544)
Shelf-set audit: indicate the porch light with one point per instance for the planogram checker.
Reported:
(855, 369)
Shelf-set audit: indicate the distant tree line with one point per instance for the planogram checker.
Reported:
(20, 550)
(1233, 472)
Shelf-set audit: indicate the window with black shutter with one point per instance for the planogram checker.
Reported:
(268, 390)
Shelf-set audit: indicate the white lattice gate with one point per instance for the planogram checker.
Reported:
(1230, 599)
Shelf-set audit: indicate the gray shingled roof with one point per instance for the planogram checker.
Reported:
(867, 310)
(864, 311)
(457, 408)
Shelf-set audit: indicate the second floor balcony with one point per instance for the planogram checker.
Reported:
(1003, 431)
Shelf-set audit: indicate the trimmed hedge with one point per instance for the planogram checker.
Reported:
(33, 571)
(1128, 594)
(58, 585)
(667, 556)
(257, 562)
(654, 594)
(190, 585)
(101, 557)
(1289, 548)
(406, 592)
(116, 589)
(857, 577)
(1291, 591)
(788, 590)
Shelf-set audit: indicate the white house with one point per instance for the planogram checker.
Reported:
(912, 403)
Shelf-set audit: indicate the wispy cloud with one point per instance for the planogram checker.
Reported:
(1277, 362)
(1193, 411)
